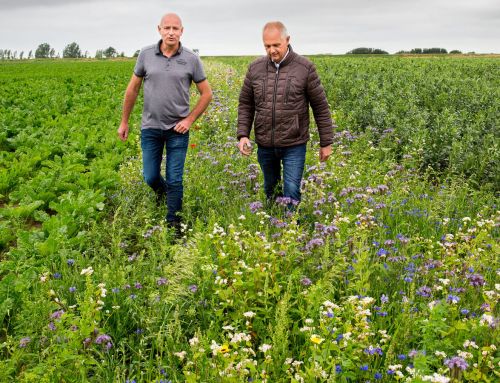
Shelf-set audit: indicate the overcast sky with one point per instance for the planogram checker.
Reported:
(233, 27)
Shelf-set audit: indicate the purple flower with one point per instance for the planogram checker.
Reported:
(132, 296)
(456, 362)
(162, 281)
(87, 342)
(402, 356)
(315, 242)
(193, 288)
(306, 281)
(24, 342)
(424, 291)
(384, 298)
(476, 280)
(137, 285)
(70, 262)
(52, 326)
(486, 307)
(452, 298)
(57, 314)
(57, 275)
(115, 290)
(378, 375)
(338, 369)
(103, 338)
(364, 367)
(72, 289)
(255, 206)
(382, 252)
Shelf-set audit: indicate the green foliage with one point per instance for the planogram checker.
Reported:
(43, 51)
(72, 50)
(386, 270)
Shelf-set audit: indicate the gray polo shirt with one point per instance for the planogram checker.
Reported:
(166, 84)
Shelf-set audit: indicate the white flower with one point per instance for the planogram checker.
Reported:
(436, 378)
(465, 355)
(249, 314)
(440, 354)
(88, 271)
(242, 217)
(309, 321)
(469, 343)
(265, 347)
(194, 341)
(487, 319)
(181, 355)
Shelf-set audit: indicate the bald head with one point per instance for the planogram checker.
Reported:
(276, 25)
(170, 17)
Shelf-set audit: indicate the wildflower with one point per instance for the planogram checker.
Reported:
(476, 280)
(224, 348)
(52, 326)
(103, 338)
(193, 288)
(255, 206)
(384, 298)
(452, 299)
(57, 314)
(338, 369)
(364, 367)
(72, 289)
(316, 339)
(456, 362)
(70, 262)
(181, 355)
(137, 285)
(306, 281)
(88, 271)
(435, 378)
(194, 341)
(24, 342)
(161, 281)
(249, 314)
(378, 375)
(265, 347)
(57, 275)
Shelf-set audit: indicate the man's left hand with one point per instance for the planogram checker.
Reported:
(183, 126)
(325, 152)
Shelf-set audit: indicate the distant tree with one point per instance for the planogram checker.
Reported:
(98, 54)
(434, 51)
(7, 54)
(72, 51)
(14, 55)
(52, 53)
(1, 54)
(86, 54)
(122, 54)
(366, 51)
(43, 51)
(455, 52)
(21, 55)
(136, 53)
(109, 52)
(30, 55)
(416, 51)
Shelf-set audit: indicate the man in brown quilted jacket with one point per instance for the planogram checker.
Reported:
(275, 99)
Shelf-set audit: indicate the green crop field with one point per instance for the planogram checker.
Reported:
(388, 272)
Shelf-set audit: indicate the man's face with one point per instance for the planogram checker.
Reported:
(275, 45)
(170, 30)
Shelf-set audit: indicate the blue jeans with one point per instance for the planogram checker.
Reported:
(152, 143)
(271, 160)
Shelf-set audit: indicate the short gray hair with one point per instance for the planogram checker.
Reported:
(276, 25)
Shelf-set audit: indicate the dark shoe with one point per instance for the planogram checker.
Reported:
(177, 228)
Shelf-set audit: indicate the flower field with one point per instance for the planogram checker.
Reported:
(387, 272)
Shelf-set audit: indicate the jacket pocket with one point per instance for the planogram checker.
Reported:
(290, 90)
(259, 90)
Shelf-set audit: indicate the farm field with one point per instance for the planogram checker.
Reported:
(388, 272)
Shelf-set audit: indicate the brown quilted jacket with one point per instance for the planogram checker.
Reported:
(277, 103)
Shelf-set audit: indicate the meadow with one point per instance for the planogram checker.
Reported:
(387, 272)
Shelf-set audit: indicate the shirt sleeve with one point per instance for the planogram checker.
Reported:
(139, 69)
(198, 71)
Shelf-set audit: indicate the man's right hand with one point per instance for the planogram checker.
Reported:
(123, 131)
(245, 146)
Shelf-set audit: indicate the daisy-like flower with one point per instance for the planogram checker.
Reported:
(316, 339)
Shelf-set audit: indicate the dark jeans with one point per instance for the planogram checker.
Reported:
(271, 160)
(152, 143)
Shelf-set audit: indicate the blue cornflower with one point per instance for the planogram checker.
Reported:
(364, 367)
(378, 375)
(338, 369)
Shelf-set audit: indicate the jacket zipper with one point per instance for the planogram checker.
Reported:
(274, 106)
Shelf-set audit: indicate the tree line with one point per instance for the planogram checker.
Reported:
(375, 51)
(72, 50)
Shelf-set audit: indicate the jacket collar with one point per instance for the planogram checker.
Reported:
(290, 56)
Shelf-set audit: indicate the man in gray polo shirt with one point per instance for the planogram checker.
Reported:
(167, 70)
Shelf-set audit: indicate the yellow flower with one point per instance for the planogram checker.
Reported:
(316, 339)
(224, 348)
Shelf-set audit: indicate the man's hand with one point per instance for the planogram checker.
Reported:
(123, 131)
(325, 152)
(183, 126)
(245, 146)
